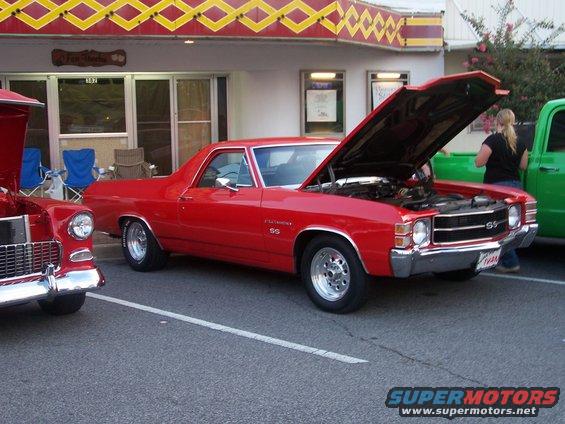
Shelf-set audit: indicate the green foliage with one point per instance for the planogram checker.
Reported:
(515, 53)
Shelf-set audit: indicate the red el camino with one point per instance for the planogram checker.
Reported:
(334, 212)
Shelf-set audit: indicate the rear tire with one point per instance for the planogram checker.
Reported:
(140, 248)
(459, 275)
(333, 275)
(63, 305)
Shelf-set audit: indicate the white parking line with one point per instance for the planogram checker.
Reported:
(521, 278)
(235, 331)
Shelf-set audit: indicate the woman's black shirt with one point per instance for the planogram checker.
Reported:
(503, 164)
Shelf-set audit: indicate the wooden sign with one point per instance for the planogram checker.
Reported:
(86, 58)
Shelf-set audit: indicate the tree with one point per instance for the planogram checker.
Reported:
(515, 53)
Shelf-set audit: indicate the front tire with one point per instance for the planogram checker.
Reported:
(63, 305)
(333, 275)
(459, 275)
(140, 248)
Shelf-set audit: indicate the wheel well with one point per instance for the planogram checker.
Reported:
(121, 220)
(306, 237)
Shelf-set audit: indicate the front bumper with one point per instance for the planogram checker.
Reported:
(48, 286)
(406, 262)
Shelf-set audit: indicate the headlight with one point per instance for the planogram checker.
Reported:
(514, 216)
(421, 232)
(81, 226)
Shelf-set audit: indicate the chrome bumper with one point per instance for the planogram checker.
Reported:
(48, 286)
(406, 262)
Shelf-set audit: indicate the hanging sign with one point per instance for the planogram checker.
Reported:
(86, 58)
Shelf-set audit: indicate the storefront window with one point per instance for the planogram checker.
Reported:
(92, 105)
(322, 102)
(37, 134)
(383, 83)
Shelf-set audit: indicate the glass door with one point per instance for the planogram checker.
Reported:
(153, 122)
(193, 116)
(38, 128)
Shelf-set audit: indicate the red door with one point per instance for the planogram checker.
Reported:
(224, 222)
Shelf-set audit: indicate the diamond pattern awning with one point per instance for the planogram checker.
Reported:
(342, 20)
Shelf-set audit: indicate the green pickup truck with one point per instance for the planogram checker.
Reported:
(545, 176)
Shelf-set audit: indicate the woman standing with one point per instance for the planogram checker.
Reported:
(504, 155)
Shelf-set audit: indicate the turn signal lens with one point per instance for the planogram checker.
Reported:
(531, 211)
(402, 241)
(402, 229)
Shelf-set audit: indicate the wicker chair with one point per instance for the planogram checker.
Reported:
(130, 164)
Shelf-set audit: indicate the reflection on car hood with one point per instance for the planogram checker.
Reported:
(409, 127)
(14, 112)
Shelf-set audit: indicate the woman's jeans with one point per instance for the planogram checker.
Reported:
(510, 258)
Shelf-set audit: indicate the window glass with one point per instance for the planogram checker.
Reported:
(194, 116)
(556, 142)
(289, 166)
(322, 101)
(92, 105)
(233, 165)
(222, 108)
(152, 101)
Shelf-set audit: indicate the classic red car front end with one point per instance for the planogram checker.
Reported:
(334, 212)
(45, 245)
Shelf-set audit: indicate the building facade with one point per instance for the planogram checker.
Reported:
(174, 75)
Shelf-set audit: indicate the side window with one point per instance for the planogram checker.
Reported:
(231, 165)
(556, 142)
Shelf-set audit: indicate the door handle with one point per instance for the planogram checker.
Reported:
(548, 169)
(184, 198)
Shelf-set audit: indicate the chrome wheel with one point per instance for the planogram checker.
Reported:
(136, 240)
(330, 274)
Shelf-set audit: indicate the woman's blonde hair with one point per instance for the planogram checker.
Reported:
(506, 120)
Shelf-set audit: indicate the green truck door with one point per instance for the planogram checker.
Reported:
(550, 184)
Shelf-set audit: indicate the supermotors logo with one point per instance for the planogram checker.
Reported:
(453, 402)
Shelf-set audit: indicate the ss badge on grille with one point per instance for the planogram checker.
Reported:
(491, 224)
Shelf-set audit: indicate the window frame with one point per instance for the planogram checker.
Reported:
(303, 74)
(213, 155)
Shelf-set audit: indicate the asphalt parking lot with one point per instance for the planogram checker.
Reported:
(203, 341)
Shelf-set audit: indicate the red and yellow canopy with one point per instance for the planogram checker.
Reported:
(341, 20)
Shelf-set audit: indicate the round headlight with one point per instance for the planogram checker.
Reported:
(421, 232)
(514, 215)
(81, 226)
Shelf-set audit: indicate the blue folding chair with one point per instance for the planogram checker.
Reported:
(33, 174)
(79, 166)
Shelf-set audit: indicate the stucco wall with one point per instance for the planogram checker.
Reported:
(264, 77)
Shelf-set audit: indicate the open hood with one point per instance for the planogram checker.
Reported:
(14, 113)
(409, 127)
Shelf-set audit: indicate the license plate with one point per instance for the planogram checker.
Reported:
(488, 260)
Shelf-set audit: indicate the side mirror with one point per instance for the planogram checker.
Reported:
(224, 183)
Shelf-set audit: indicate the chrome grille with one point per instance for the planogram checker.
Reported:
(453, 228)
(20, 260)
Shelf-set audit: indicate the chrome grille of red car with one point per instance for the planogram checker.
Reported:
(459, 227)
(24, 259)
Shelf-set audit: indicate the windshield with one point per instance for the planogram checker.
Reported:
(288, 166)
